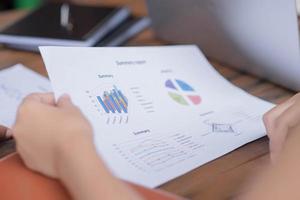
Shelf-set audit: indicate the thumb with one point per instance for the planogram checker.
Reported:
(64, 101)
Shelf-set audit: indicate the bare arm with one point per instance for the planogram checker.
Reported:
(86, 176)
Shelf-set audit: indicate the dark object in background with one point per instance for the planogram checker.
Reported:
(7, 147)
(42, 27)
(127, 30)
(20, 4)
(6, 4)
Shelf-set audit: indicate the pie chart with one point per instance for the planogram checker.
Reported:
(182, 93)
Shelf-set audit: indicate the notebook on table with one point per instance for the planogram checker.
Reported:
(63, 25)
(127, 30)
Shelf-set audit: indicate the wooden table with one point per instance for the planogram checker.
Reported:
(220, 179)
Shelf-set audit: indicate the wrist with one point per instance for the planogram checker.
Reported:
(73, 152)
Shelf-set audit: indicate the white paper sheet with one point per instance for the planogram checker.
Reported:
(15, 83)
(157, 112)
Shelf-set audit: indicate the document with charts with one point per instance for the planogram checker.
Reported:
(157, 112)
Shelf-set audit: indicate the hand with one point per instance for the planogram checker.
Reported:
(280, 122)
(56, 140)
(45, 131)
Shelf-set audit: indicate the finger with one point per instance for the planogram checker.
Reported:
(64, 101)
(32, 105)
(271, 116)
(287, 120)
(45, 98)
(276, 145)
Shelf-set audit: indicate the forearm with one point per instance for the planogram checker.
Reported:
(86, 177)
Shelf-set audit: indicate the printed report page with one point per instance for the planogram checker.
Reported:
(157, 112)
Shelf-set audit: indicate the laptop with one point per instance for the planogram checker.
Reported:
(257, 36)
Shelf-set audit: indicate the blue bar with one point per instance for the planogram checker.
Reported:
(125, 110)
(115, 94)
(123, 97)
(115, 104)
(103, 104)
(122, 106)
(109, 106)
(120, 101)
(107, 102)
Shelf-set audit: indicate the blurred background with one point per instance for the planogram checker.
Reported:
(23, 4)
(27, 4)
(19, 4)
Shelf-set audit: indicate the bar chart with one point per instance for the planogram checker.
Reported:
(110, 102)
(113, 101)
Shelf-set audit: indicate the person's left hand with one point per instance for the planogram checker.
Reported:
(46, 132)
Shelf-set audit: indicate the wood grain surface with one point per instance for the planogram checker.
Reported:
(223, 178)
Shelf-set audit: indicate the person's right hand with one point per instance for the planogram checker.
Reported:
(281, 180)
(280, 122)
(47, 132)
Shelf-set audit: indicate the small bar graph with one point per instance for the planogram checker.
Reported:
(113, 101)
